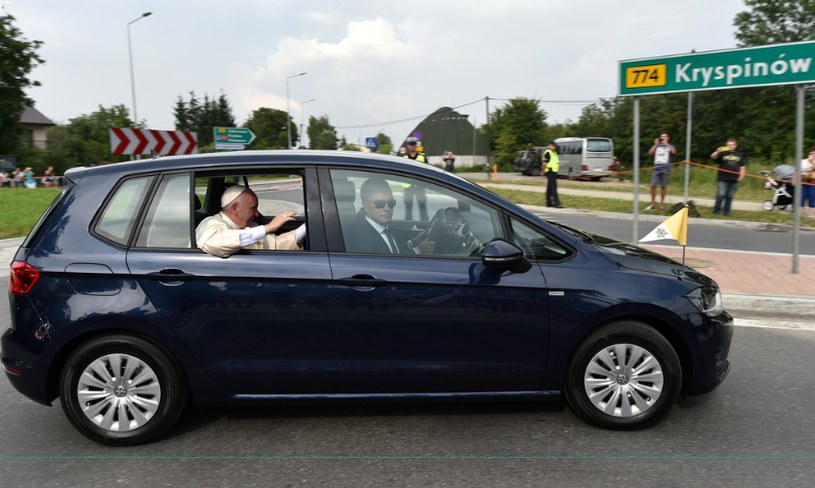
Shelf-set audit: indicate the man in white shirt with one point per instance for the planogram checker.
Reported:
(233, 228)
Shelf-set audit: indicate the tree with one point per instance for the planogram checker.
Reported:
(88, 137)
(774, 22)
(767, 115)
(269, 127)
(321, 133)
(514, 126)
(18, 57)
(384, 145)
(202, 116)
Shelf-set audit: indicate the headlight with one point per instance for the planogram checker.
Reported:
(707, 299)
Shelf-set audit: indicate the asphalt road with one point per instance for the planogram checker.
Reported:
(755, 431)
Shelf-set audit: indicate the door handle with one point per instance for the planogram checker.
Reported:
(170, 276)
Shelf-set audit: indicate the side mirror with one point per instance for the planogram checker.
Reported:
(500, 254)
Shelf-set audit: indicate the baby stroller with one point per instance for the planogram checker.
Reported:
(782, 190)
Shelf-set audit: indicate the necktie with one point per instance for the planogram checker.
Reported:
(391, 241)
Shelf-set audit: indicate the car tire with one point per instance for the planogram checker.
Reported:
(631, 393)
(147, 392)
(536, 171)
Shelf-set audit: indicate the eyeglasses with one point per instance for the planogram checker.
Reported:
(381, 203)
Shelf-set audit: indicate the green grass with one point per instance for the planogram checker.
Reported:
(20, 208)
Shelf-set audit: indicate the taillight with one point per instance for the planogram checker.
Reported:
(585, 167)
(23, 278)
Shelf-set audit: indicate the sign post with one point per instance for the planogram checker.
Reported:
(778, 64)
(233, 138)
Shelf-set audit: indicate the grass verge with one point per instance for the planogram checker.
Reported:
(21, 208)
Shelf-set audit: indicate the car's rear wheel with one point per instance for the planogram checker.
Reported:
(535, 171)
(121, 390)
(624, 376)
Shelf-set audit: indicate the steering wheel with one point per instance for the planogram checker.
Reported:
(452, 234)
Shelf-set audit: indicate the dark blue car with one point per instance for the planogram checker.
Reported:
(117, 311)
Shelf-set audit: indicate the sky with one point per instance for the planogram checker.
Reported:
(371, 66)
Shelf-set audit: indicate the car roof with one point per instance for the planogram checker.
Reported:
(241, 158)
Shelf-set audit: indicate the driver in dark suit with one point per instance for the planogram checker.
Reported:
(370, 232)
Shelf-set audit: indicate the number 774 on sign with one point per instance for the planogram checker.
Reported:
(646, 76)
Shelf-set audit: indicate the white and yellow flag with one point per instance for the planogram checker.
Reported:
(675, 227)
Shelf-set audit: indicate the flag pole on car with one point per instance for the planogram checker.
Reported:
(675, 228)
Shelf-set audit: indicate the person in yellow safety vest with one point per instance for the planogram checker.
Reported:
(552, 166)
(414, 191)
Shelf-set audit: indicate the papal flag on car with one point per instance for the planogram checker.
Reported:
(675, 227)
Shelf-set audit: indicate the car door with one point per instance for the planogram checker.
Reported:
(254, 321)
(433, 321)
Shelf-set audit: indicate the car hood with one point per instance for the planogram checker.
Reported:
(637, 258)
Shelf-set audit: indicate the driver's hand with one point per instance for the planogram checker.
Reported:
(426, 247)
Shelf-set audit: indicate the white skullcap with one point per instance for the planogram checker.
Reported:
(231, 193)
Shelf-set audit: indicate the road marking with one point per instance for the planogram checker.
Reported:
(775, 324)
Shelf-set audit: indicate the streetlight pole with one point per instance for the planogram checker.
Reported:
(288, 111)
(130, 53)
(303, 116)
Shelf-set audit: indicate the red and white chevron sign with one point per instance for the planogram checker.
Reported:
(143, 141)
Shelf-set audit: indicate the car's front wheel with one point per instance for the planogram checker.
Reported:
(624, 376)
(121, 390)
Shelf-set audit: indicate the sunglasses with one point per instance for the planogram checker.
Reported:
(381, 203)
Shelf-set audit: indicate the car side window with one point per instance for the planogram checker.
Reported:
(537, 245)
(167, 223)
(423, 218)
(277, 191)
(119, 216)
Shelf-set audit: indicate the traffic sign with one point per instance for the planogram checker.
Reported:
(231, 147)
(145, 141)
(370, 143)
(232, 135)
(779, 64)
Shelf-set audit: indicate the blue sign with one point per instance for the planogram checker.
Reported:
(370, 142)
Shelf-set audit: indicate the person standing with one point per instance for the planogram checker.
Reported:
(29, 181)
(18, 178)
(49, 178)
(414, 191)
(732, 169)
(662, 151)
(552, 166)
(808, 184)
(449, 161)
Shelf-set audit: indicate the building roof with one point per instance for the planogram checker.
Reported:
(32, 116)
(445, 129)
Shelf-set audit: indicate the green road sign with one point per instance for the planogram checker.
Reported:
(780, 64)
(232, 135)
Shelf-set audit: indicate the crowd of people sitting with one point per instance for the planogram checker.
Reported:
(25, 178)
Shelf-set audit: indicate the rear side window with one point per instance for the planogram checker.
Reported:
(122, 210)
(168, 220)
